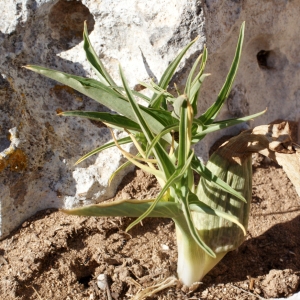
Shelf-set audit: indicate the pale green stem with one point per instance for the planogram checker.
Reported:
(193, 262)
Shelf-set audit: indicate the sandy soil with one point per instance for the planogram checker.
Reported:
(55, 256)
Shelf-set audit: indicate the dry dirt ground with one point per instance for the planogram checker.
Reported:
(55, 256)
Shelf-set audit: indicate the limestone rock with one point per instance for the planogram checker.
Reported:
(269, 71)
(143, 36)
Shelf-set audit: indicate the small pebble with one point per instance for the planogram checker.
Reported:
(102, 281)
(165, 247)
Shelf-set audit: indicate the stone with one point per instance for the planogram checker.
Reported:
(268, 75)
(280, 283)
(40, 172)
(38, 149)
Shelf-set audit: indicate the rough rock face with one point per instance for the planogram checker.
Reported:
(37, 161)
(38, 149)
(269, 71)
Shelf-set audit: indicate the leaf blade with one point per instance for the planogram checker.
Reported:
(209, 116)
(94, 60)
(112, 119)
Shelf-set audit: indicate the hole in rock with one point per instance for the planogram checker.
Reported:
(66, 20)
(265, 59)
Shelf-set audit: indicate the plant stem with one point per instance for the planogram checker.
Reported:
(193, 262)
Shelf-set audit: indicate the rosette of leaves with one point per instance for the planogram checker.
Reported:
(164, 132)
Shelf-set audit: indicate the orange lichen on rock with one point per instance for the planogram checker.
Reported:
(59, 89)
(16, 160)
(3, 164)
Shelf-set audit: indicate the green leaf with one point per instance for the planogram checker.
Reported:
(193, 83)
(198, 206)
(189, 80)
(128, 208)
(196, 89)
(168, 74)
(152, 86)
(122, 167)
(158, 96)
(177, 104)
(94, 60)
(178, 173)
(209, 116)
(136, 161)
(135, 93)
(112, 119)
(107, 97)
(167, 129)
(122, 141)
(163, 117)
(164, 162)
(200, 168)
(188, 217)
(184, 132)
(87, 86)
(220, 125)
